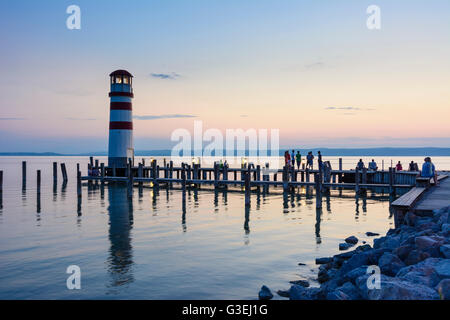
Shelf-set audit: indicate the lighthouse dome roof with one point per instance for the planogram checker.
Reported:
(120, 73)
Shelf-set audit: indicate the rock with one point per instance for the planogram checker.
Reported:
(357, 260)
(395, 289)
(352, 240)
(426, 242)
(265, 294)
(390, 264)
(301, 264)
(283, 293)
(442, 268)
(445, 228)
(344, 246)
(429, 271)
(337, 295)
(302, 293)
(403, 251)
(354, 274)
(445, 251)
(386, 243)
(350, 290)
(416, 256)
(410, 219)
(372, 234)
(303, 283)
(324, 260)
(443, 289)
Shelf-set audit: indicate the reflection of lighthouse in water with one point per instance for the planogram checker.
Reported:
(120, 260)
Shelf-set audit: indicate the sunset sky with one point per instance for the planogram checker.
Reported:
(309, 68)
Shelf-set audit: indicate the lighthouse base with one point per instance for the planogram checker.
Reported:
(118, 162)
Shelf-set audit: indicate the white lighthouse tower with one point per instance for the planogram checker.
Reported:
(121, 147)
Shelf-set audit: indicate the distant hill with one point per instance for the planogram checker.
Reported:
(412, 152)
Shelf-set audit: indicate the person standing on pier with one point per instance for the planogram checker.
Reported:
(298, 158)
(293, 158)
(287, 158)
(399, 166)
(310, 160)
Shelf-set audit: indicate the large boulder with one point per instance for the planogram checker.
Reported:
(395, 289)
(324, 260)
(445, 251)
(403, 251)
(390, 264)
(443, 289)
(265, 293)
(426, 242)
(301, 293)
(354, 274)
(416, 256)
(428, 272)
(351, 240)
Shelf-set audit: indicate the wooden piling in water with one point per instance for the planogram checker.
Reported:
(318, 186)
(64, 171)
(102, 172)
(357, 177)
(38, 180)
(364, 177)
(55, 172)
(78, 181)
(247, 178)
(129, 180)
(24, 175)
(1, 181)
(340, 169)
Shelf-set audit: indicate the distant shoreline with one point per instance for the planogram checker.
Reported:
(369, 152)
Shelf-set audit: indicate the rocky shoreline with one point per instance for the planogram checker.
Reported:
(413, 261)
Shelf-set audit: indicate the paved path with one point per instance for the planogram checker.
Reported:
(435, 198)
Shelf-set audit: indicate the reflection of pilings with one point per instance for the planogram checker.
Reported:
(247, 220)
(79, 206)
(63, 190)
(317, 225)
(183, 207)
(1, 189)
(120, 259)
(328, 199)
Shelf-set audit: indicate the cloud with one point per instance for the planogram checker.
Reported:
(315, 65)
(11, 119)
(164, 116)
(350, 108)
(80, 119)
(166, 76)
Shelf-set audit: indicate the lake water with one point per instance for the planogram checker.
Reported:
(154, 248)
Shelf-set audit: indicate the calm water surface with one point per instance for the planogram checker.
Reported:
(154, 248)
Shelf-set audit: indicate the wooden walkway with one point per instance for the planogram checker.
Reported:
(435, 198)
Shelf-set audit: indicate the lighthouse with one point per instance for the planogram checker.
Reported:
(120, 147)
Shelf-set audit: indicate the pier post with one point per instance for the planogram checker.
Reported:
(302, 174)
(91, 161)
(340, 169)
(317, 181)
(357, 180)
(64, 171)
(285, 178)
(364, 178)
(102, 172)
(130, 180)
(38, 180)
(24, 175)
(247, 177)
(78, 181)
(96, 164)
(391, 180)
(183, 180)
(216, 175)
(55, 172)
(1, 189)
(307, 175)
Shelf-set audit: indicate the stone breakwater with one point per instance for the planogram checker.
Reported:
(413, 261)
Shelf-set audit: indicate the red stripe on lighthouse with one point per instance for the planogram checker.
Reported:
(120, 125)
(120, 105)
(121, 94)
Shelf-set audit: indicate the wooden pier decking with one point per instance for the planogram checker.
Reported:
(435, 198)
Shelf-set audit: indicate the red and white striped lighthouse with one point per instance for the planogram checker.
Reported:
(121, 147)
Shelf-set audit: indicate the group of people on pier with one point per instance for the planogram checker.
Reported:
(292, 158)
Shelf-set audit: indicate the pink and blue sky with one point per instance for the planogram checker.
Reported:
(310, 68)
